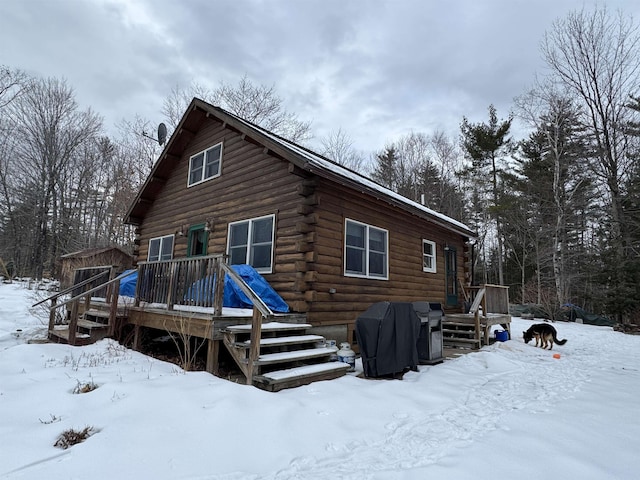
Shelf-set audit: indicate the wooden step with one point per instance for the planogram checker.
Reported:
(282, 341)
(294, 356)
(459, 324)
(90, 325)
(269, 327)
(458, 332)
(461, 342)
(295, 377)
(61, 335)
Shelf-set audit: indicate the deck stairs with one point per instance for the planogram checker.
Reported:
(460, 335)
(288, 356)
(91, 326)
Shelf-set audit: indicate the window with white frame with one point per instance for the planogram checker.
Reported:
(366, 251)
(205, 165)
(160, 248)
(251, 242)
(428, 256)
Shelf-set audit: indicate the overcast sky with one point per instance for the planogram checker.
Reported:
(376, 69)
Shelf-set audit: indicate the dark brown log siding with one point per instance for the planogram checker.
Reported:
(407, 281)
(310, 217)
(252, 184)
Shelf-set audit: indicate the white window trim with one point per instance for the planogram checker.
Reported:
(433, 249)
(162, 239)
(366, 260)
(249, 244)
(204, 164)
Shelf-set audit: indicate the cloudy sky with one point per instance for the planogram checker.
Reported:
(377, 69)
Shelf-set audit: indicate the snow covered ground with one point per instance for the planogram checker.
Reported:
(510, 410)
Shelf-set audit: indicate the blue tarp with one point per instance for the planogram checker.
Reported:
(128, 285)
(233, 297)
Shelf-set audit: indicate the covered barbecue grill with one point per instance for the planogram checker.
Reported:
(387, 333)
(430, 348)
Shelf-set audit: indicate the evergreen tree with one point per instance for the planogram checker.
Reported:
(485, 144)
(385, 169)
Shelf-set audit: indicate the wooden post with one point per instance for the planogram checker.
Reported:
(136, 338)
(218, 293)
(254, 347)
(52, 313)
(213, 349)
(113, 309)
(73, 323)
(170, 292)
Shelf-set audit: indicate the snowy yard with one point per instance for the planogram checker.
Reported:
(509, 410)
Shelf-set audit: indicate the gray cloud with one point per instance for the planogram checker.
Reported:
(377, 69)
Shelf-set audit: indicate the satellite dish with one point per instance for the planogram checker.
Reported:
(162, 133)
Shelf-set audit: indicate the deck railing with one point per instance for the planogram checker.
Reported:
(199, 282)
(492, 298)
(184, 281)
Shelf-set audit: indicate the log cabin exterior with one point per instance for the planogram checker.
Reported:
(330, 241)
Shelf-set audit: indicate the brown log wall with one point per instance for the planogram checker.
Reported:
(310, 215)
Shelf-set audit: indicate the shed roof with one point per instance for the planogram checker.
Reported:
(301, 157)
(92, 252)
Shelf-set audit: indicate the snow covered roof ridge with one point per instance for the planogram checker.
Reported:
(325, 164)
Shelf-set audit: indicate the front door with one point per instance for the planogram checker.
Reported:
(451, 278)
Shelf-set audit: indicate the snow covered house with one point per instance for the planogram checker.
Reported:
(225, 196)
(330, 241)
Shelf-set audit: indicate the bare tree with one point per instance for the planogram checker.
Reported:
(338, 146)
(597, 57)
(258, 104)
(12, 84)
(49, 132)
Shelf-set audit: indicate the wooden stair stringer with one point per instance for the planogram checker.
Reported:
(288, 356)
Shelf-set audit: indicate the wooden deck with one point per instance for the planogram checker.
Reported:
(490, 308)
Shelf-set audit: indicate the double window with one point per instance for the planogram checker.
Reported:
(205, 165)
(160, 248)
(251, 242)
(366, 251)
(428, 256)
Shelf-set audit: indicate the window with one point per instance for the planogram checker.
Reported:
(251, 242)
(160, 248)
(428, 256)
(197, 241)
(205, 165)
(365, 251)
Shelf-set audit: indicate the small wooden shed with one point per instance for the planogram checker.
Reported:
(92, 257)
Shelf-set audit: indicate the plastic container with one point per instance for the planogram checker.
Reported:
(332, 345)
(502, 335)
(347, 355)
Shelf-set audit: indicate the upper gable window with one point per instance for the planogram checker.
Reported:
(428, 256)
(205, 165)
(366, 250)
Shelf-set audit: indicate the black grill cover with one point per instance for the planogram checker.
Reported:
(387, 334)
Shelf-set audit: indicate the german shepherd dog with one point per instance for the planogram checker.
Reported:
(544, 334)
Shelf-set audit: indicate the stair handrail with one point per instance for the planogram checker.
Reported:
(260, 311)
(56, 295)
(99, 287)
(248, 291)
(74, 309)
